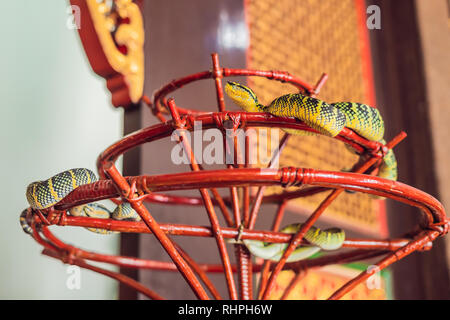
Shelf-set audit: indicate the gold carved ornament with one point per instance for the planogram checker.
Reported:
(106, 17)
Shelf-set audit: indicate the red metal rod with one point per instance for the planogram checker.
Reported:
(240, 177)
(114, 275)
(218, 74)
(338, 258)
(246, 192)
(156, 112)
(183, 267)
(217, 197)
(266, 268)
(221, 203)
(65, 250)
(159, 95)
(247, 264)
(298, 276)
(235, 204)
(201, 273)
(243, 257)
(209, 120)
(319, 181)
(319, 84)
(313, 218)
(104, 189)
(282, 206)
(281, 76)
(66, 254)
(277, 221)
(391, 258)
(244, 271)
(47, 245)
(208, 205)
(260, 193)
(230, 233)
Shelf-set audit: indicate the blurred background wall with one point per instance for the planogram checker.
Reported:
(434, 27)
(55, 115)
(410, 56)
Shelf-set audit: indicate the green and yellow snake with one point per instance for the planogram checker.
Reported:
(326, 118)
(329, 119)
(329, 239)
(46, 193)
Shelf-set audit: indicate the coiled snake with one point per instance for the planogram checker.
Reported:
(329, 239)
(328, 119)
(46, 193)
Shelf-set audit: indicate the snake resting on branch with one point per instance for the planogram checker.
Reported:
(46, 193)
(328, 119)
(329, 239)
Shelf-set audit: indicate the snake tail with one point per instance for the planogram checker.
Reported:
(368, 123)
(125, 212)
(329, 239)
(24, 223)
(388, 168)
(363, 119)
(274, 252)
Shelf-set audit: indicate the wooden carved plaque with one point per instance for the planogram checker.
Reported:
(112, 34)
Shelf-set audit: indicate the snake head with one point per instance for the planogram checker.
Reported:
(243, 96)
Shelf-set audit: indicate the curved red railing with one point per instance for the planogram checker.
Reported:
(151, 188)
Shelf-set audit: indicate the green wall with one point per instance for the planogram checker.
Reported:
(55, 114)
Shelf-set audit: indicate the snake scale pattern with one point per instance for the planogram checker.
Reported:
(46, 193)
(328, 119)
(329, 239)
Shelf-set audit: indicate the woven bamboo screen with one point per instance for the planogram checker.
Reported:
(307, 38)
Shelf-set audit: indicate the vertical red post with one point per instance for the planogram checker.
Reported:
(218, 75)
(208, 205)
(183, 267)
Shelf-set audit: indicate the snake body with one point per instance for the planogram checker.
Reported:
(46, 193)
(24, 223)
(329, 239)
(327, 118)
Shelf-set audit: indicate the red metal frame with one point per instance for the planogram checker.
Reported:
(145, 188)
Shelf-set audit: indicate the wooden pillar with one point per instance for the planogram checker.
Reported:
(403, 97)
